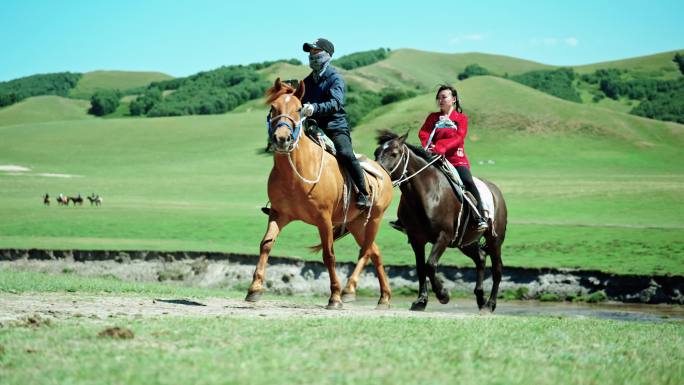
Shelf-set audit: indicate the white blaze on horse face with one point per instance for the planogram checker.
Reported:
(287, 98)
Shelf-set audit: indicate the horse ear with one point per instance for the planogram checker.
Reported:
(402, 139)
(299, 93)
(277, 84)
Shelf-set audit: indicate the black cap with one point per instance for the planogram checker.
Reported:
(320, 43)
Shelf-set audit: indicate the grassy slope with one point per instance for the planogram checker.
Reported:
(44, 109)
(381, 350)
(121, 80)
(659, 65)
(412, 68)
(581, 182)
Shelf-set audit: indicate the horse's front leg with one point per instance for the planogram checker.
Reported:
(275, 224)
(438, 248)
(325, 230)
(474, 252)
(419, 250)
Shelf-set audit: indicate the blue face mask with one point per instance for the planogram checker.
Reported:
(317, 61)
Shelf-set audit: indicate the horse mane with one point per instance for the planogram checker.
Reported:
(274, 93)
(387, 135)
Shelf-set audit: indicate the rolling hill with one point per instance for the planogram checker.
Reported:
(44, 109)
(121, 80)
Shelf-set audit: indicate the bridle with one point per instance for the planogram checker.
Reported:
(295, 131)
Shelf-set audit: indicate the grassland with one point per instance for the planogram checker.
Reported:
(586, 186)
(331, 349)
(120, 80)
(44, 109)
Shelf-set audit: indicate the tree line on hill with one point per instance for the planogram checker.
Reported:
(659, 99)
(16, 90)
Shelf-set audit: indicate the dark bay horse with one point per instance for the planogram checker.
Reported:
(307, 184)
(429, 209)
(46, 199)
(77, 200)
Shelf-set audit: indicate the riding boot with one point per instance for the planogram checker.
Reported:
(481, 220)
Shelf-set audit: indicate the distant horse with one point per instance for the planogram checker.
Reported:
(46, 199)
(431, 212)
(96, 199)
(320, 201)
(77, 199)
(62, 200)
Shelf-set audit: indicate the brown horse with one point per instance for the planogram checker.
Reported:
(429, 209)
(307, 184)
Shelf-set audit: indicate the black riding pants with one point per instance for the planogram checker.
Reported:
(467, 178)
(345, 155)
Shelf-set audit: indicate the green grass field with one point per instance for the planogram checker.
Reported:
(120, 80)
(232, 349)
(586, 186)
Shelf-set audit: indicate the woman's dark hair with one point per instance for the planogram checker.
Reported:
(454, 93)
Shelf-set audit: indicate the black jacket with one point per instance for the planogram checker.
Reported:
(327, 97)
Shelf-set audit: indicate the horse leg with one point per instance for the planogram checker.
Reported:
(275, 225)
(438, 249)
(474, 252)
(419, 251)
(365, 238)
(497, 269)
(325, 230)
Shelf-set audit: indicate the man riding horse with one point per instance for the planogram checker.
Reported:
(324, 102)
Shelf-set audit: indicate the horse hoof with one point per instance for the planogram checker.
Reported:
(418, 306)
(253, 297)
(334, 305)
(382, 306)
(348, 297)
(443, 297)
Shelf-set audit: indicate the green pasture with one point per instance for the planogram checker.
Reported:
(586, 187)
(234, 349)
(120, 80)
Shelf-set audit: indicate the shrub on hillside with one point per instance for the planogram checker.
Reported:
(359, 103)
(360, 59)
(104, 102)
(472, 70)
(554, 82)
(16, 90)
(679, 59)
(144, 103)
(210, 92)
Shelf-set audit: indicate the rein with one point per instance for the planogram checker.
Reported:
(405, 155)
(296, 133)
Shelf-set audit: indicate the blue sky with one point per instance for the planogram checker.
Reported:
(183, 37)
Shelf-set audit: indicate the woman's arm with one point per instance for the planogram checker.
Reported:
(447, 144)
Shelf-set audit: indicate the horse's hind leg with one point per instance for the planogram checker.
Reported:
(438, 249)
(477, 255)
(365, 237)
(494, 252)
(275, 225)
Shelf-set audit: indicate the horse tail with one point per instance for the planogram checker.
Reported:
(339, 231)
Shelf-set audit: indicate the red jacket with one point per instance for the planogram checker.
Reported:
(447, 141)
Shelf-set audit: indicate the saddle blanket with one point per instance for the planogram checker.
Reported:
(487, 198)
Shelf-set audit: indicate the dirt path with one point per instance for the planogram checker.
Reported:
(17, 307)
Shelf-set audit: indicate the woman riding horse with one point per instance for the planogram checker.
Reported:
(432, 213)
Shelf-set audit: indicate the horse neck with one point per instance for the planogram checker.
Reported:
(422, 183)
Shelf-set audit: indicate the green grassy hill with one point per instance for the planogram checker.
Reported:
(44, 109)
(657, 66)
(408, 68)
(121, 80)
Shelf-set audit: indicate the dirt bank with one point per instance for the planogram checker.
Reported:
(292, 276)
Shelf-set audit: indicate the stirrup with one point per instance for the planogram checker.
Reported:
(482, 224)
(362, 202)
(397, 225)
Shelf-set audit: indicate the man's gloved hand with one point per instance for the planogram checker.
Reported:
(307, 110)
